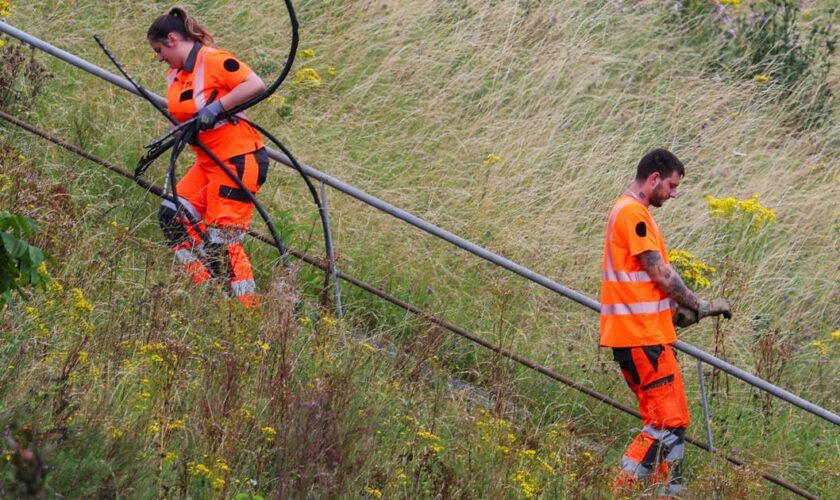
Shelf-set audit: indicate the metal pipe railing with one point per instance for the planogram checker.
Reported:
(447, 236)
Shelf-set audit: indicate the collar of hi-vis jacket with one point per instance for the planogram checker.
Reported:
(195, 64)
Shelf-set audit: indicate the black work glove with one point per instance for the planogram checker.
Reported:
(206, 116)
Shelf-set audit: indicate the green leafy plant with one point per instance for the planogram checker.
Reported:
(21, 264)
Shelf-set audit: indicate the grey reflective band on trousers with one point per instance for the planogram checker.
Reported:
(185, 255)
(186, 204)
(442, 234)
(243, 287)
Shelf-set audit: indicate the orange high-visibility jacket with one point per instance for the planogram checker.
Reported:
(189, 89)
(634, 312)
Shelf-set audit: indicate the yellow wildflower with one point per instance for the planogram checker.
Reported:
(761, 78)
(218, 483)
(157, 358)
(307, 54)
(116, 434)
(5, 8)
(436, 448)
(728, 208)
(175, 425)
(331, 71)
(5, 180)
(836, 335)
(328, 321)
(428, 435)
(81, 304)
(55, 288)
(83, 357)
(526, 482)
(308, 77)
(269, 432)
(691, 269)
(305, 321)
(198, 469)
(822, 347)
(367, 347)
(222, 466)
(154, 428)
(504, 450)
(373, 492)
(170, 457)
(491, 159)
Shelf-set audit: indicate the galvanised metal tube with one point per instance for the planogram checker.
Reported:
(447, 236)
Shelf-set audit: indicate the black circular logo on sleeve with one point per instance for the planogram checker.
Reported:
(641, 230)
(231, 65)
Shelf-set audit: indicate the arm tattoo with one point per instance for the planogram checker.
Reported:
(668, 280)
(680, 293)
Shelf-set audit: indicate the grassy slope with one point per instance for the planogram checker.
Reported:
(568, 94)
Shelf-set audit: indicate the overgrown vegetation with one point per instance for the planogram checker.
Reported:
(766, 41)
(514, 124)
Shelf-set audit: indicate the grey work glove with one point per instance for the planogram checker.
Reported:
(714, 307)
(207, 115)
(686, 316)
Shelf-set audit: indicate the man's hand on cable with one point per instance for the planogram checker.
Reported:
(685, 316)
(206, 116)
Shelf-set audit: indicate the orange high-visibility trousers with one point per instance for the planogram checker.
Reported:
(653, 374)
(220, 210)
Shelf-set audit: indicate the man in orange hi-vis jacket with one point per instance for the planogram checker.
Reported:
(639, 293)
(203, 82)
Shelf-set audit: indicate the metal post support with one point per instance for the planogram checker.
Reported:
(704, 402)
(339, 312)
(451, 238)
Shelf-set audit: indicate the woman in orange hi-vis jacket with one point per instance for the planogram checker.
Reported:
(638, 291)
(203, 81)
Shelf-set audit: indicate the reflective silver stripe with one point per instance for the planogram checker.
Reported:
(637, 470)
(185, 256)
(666, 436)
(186, 204)
(225, 235)
(198, 80)
(625, 276)
(635, 308)
(671, 490)
(243, 287)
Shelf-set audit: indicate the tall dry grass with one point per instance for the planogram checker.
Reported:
(568, 95)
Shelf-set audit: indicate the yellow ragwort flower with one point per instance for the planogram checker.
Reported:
(308, 77)
(822, 347)
(491, 159)
(836, 335)
(307, 54)
(761, 78)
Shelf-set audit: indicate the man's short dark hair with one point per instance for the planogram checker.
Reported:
(659, 160)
